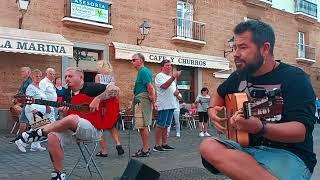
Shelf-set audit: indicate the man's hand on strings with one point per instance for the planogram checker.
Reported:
(251, 125)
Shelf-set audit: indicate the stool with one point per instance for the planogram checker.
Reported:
(87, 155)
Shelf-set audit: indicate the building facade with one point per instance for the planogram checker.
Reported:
(193, 34)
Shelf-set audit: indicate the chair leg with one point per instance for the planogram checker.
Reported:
(85, 159)
(74, 167)
(14, 126)
(122, 122)
(154, 123)
(194, 124)
(92, 160)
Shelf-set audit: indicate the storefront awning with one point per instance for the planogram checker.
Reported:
(34, 42)
(156, 55)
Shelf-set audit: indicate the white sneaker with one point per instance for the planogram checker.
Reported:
(207, 134)
(21, 145)
(178, 135)
(201, 134)
(58, 176)
(35, 146)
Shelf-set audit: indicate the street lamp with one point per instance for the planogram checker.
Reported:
(144, 31)
(23, 7)
(228, 51)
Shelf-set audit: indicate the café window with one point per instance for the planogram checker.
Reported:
(98, 11)
(185, 83)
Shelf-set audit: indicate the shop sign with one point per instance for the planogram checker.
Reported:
(34, 47)
(177, 60)
(92, 10)
(156, 55)
(184, 87)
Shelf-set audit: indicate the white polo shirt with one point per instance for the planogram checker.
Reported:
(47, 86)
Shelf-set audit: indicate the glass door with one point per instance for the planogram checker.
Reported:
(301, 45)
(184, 20)
(185, 83)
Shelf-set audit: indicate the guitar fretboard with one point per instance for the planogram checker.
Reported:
(56, 104)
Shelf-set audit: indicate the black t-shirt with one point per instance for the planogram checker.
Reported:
(298, 97)
(90, 89)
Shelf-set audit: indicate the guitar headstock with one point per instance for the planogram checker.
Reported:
(24, 99)
(269, 109)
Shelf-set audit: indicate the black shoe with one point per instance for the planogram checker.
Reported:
(58, 175)
(141, 153)
(99, 154)
(32, 136)
(158, 149)
(13, 140)
(119, 149)
(167, 147)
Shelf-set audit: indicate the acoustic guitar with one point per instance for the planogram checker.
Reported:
(105, 118)
(268, 108)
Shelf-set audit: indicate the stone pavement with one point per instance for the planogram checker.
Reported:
(182, 163)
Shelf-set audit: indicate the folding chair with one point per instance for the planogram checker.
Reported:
(87, 156)
(188, 119)
(15, 116)
(127, 117)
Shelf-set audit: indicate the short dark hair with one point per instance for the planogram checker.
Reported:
(261, 32)
(204, 89)
(141, 57)
(164, 62)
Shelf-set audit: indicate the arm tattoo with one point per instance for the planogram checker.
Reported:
(102, 96)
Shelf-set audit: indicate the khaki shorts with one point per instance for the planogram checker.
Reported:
(143, 111)
(85, 131)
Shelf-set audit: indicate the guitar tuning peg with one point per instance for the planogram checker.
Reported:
(278, 117)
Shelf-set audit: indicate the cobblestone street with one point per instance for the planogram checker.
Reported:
(182, 163)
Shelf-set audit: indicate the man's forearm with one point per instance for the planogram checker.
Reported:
(151, 92)
(288, 132)
(167, 83)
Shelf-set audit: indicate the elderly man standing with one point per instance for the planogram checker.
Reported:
(144, 99)
(46, 85)
(167, 95)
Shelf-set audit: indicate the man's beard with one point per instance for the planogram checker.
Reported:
(252, 68)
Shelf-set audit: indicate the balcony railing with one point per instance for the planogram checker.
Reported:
(74, 10)
(306, 52)
(306, 7)
(189, 29)
(268, 1)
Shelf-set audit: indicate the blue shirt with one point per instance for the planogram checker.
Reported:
(25, 84)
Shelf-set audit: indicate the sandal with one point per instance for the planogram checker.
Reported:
(99, 154)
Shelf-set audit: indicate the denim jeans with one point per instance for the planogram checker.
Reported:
(279, 162)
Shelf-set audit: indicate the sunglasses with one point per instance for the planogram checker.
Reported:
(133, 60)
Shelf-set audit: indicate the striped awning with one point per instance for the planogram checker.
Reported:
(34, 42)
(156, 55)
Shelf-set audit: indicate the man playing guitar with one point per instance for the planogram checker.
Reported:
(72, 126)
(281, 149)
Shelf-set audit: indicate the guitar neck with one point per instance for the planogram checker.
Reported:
(56, 104)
